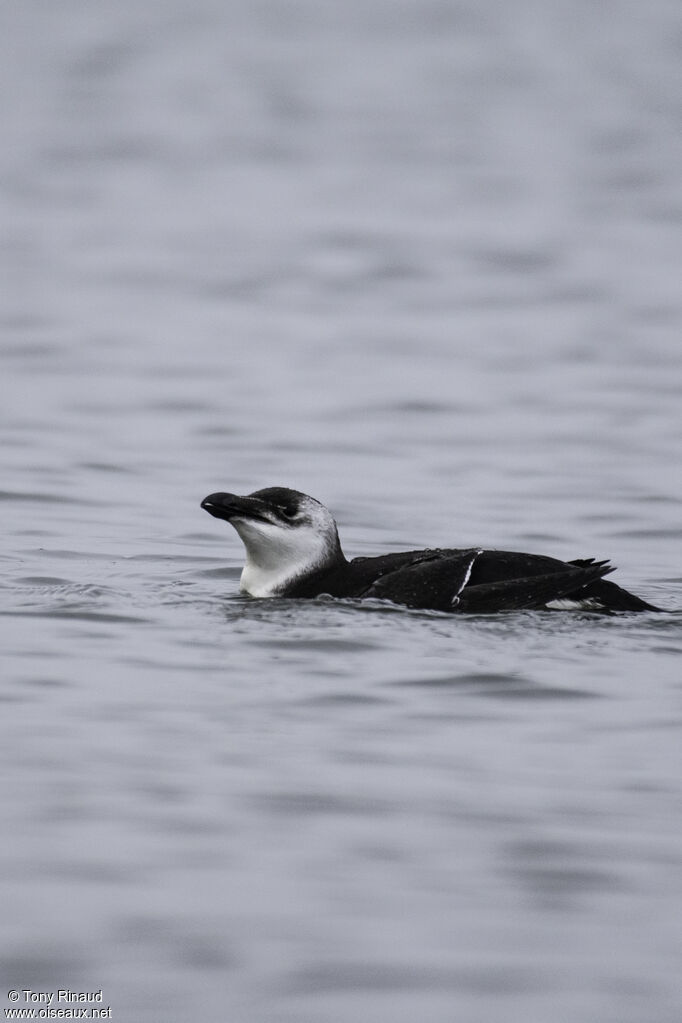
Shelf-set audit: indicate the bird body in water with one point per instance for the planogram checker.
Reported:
(293, 550)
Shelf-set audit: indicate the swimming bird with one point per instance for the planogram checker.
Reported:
(293, 550)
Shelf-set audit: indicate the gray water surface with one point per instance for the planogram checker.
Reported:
(422, 261)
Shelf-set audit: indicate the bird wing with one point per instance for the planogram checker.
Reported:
(434, 581)
(531, 591)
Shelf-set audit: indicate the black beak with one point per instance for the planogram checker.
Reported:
(231, 506)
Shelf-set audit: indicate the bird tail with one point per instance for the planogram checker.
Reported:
(611, 596)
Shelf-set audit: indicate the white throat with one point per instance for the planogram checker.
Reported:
(276, 555)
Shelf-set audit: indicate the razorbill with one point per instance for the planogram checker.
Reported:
(293, 550)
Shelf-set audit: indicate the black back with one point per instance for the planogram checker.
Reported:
(470, 580)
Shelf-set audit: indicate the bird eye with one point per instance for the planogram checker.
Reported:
(288, 511)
